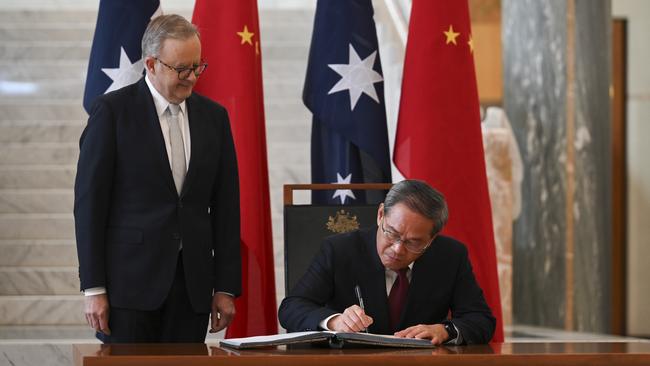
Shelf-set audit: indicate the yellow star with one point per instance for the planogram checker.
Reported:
(471, 44)
(451, 35)
(246, 36)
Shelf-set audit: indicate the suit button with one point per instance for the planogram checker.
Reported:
(176, 236)
(180, 204)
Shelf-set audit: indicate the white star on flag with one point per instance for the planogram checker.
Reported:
(357, 77)
(126, 73)
(343, 193)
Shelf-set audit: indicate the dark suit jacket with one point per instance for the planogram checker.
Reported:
(130, 220)
(442, 280)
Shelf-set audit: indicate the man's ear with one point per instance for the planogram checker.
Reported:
(380, 213)
(149, 64)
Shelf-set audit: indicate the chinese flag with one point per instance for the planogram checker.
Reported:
(439, 133)
(230, 42)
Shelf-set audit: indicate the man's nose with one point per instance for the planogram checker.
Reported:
(398, 247)
(192, 77)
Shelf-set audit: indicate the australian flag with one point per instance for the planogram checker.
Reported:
(344, 91)
(116, 54)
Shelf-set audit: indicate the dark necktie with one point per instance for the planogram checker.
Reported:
(397, 297)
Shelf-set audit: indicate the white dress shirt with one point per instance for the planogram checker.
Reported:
(161, 107)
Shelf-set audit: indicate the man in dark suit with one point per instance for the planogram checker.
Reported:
(409, 277)
(157, 201)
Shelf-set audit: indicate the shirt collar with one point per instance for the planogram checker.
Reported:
(159, 101)
(410, 266)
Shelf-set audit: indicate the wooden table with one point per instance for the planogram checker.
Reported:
(527, 354)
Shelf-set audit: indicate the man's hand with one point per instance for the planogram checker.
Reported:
(435, 332)
(96, 310)
(353, 319)
(223, 310)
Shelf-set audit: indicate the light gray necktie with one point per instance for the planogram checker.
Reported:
(177, 146)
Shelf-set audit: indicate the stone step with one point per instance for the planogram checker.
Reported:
(42, 16)
(73, 88)
(42, 310)
(288, 69)
(297, 128)
(288, 154)
(45, 50)
(276, 108)
(39, 153)
(37, 226)
(38, 253)
(80, 30)
(287, 30)
(290, 133)
(300, 17)
(40, 109)
(280, 108)
(37, 176)
(286, 138)
(80, 50)
(69, 88)
(41, 131)
(31, 70)
(298, 173)
(15, 281)
(83, 30)
(16, 201)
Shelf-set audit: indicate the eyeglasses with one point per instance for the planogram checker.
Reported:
(412, 246)
(184, 72)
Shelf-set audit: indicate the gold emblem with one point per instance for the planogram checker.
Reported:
(342, 222)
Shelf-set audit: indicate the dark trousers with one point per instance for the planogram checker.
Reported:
(174, 322)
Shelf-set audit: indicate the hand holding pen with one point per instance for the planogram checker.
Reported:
(353, 319)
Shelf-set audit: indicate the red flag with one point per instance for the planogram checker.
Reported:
(439, 133)
(230, 41)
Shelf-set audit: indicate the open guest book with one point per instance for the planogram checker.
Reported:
(335, 339)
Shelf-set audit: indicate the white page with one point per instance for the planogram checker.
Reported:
(268, 338)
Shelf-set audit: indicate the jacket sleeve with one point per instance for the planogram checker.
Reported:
(224, 208)
(305, 308)
(92, 193)
(470, 312)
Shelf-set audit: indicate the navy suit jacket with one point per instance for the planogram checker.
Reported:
(442, 280)
(129, 219)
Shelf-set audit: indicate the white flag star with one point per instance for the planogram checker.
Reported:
(357, 77)
(343, 193)
(126, 73)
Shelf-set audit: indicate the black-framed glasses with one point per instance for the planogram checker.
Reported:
(184, 72)
(410, 245)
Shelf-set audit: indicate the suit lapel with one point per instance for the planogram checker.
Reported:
(373, 282)
(196, 135)
(154, 133)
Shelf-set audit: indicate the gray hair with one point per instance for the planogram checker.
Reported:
(419, 197)
(165, 27)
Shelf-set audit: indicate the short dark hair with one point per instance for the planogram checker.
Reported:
(420, 197)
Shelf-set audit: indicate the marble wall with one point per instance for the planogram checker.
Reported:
(556, 85)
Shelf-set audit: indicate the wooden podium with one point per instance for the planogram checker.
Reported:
(528, 354)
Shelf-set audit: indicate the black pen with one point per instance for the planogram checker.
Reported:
(357, 291)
